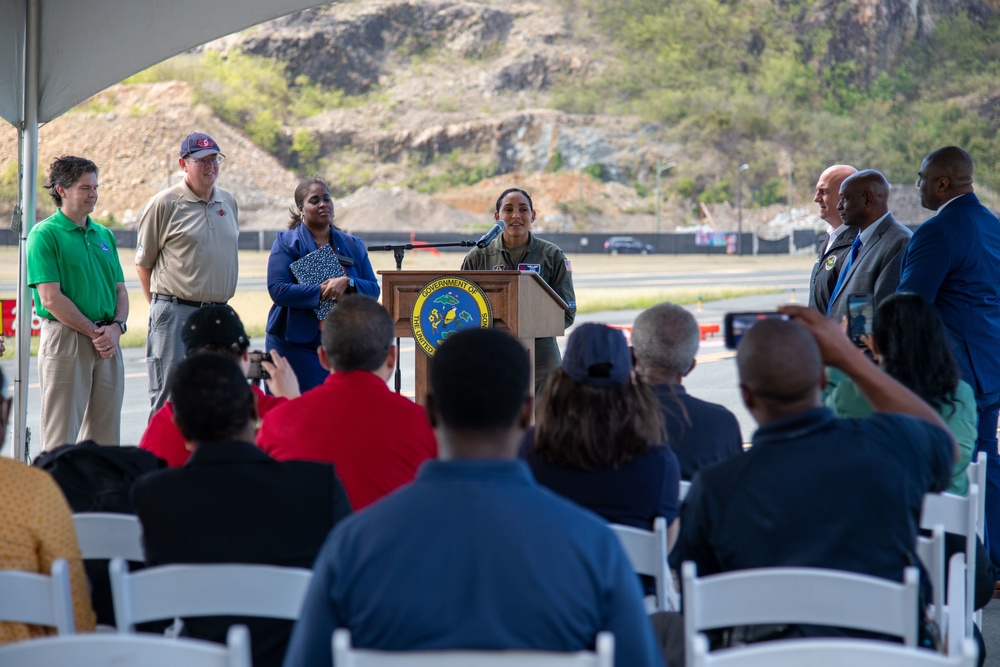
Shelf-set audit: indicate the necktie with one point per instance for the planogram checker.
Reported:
(855, 247)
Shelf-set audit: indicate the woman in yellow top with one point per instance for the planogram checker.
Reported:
(36, 528)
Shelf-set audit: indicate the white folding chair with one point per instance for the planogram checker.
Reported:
(799, 595)
(976, 470)
(104, 650)
(957, 514)
(38, 599)
(954, 629)
(647, 550)
(346, 656)
(173, 591)
(830, 653)
(109, 535)
(683, 491)
(930, 550)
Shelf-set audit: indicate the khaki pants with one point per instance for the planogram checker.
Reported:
(81, 392)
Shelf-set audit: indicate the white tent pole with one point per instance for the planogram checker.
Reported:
(28, 196)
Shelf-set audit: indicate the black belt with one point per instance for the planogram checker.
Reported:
(186, 302)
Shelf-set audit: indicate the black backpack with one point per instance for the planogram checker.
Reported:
(99, 478)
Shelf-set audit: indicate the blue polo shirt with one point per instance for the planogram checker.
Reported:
(817, 491)
(475, 555)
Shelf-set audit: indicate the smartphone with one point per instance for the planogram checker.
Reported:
(737, 324)
(257, 371)
(860, 316)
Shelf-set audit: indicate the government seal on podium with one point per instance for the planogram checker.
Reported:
(445, 306)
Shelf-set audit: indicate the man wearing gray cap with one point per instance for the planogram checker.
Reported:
(186, 255)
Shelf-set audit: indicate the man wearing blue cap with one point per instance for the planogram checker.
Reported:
(186, 255)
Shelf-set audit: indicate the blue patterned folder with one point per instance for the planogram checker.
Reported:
(316, 267)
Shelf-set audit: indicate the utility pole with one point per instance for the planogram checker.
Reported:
(739, 208)
(659, 170)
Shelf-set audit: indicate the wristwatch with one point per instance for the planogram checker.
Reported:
(121, 325)
(350, 282)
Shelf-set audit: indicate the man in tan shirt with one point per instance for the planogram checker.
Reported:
(186, 256)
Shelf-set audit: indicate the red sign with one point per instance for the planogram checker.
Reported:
(8, 315)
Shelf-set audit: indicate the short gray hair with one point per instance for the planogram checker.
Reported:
(665, 337)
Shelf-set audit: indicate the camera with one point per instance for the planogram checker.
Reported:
(257, 371)
(736, 324)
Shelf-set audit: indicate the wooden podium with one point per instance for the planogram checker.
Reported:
(522, 304)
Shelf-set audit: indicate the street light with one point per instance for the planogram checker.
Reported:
(739, 208)
(659, 170)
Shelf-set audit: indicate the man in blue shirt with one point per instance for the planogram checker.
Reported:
(814, 490)
(474, 554)
(665, 339)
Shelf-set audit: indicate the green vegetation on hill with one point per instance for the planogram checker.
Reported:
(748, 79)
(254, 93)
(728, 81)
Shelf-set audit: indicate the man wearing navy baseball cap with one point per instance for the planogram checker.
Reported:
(186, 255)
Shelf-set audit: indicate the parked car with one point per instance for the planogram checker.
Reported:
(624, 244)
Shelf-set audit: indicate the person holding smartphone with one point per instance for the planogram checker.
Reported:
(908, 342)
(217, 329)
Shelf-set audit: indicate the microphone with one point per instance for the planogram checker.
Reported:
(494, 232)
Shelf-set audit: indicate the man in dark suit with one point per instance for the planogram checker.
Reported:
(839, 237)
(953, 260)
(665, 339)
(872, 266)
(231, 502)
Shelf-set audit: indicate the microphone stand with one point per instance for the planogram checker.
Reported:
(398, 251)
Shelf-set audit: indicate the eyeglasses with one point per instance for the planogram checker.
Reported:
(205, 161)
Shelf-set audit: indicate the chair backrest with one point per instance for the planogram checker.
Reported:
(930, 550)
(957, 514)
(800, 595)
(647, 550)
(976, 470)
(109, 535)
(830, 653)
(346, 656)
(104, 649)
(172, 591)
(38, 599)
(954, 628)
(683, 491)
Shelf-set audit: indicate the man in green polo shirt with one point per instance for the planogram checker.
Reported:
(79, 291)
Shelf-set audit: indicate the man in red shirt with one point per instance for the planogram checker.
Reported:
(376, 438)
(216, 329)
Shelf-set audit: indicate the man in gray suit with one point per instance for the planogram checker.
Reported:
(839, 237)
(872, 266)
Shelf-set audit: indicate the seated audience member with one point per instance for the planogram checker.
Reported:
(376, 437)
(665, 339)
(231, 502)
(600, 437)
(36, 528)
(909, 343)
(807, 491)
(216, 329)
(474, 554)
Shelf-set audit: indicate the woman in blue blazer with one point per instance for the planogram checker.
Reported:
(293, 328)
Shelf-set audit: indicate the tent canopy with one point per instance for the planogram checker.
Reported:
(84, 47)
